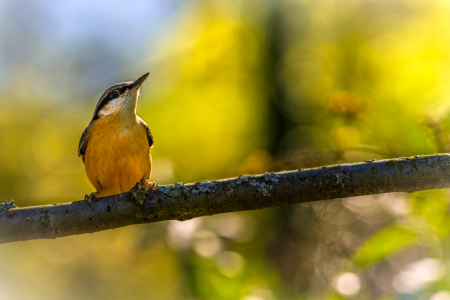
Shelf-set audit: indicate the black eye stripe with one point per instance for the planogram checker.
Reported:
(114, 94)
(108, 96)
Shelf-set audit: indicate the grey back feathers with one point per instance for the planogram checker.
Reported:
(83, 142)
(149, 133)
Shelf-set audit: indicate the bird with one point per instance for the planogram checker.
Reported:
(115, 146)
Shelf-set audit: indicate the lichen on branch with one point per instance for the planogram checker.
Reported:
(185, 201)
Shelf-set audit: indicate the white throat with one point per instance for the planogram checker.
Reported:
(122, 106)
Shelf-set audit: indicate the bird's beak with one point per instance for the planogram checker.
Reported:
(139, 82)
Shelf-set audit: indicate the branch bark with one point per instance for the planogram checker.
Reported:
(186, 201)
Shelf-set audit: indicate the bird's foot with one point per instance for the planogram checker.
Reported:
(89, 198)
(150, 185)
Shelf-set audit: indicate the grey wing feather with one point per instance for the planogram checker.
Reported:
(149, 133)
(83, 142)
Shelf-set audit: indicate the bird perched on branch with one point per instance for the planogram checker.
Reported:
(115, 147)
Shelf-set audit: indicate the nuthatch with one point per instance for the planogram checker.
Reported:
(115, 147)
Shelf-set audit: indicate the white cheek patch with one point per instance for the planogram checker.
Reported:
(111, 107)
(121, 104)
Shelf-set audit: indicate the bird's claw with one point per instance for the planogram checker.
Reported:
(150, 185)
(89, 198)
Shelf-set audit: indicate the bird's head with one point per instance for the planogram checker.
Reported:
(120, 98)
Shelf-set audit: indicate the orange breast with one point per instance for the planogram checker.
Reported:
(117, 156)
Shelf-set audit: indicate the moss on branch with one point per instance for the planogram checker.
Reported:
(185, 201)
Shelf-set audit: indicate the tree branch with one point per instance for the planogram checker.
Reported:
(186, 201)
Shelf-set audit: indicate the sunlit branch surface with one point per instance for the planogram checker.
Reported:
(185, 201)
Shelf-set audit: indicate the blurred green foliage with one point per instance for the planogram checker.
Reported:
(236, 87)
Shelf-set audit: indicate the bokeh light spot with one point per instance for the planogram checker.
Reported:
(347, 284)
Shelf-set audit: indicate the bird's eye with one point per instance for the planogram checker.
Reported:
(115, 94)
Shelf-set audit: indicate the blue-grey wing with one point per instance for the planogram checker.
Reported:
(83, 142)
(149, 133)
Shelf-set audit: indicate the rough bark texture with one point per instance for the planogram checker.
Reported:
(186, 201)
